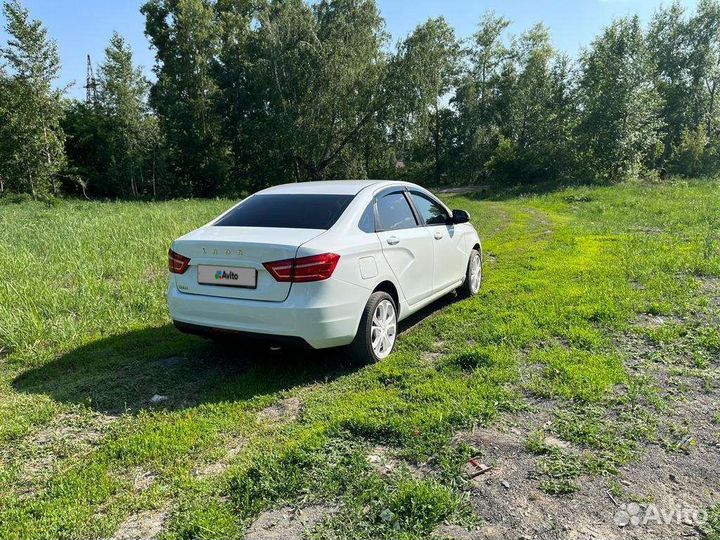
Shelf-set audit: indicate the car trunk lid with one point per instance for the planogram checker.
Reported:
(239, 247)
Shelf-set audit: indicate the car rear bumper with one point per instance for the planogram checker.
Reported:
(207, 331)
(322, 314)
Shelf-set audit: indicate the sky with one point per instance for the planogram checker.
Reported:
(83, 27)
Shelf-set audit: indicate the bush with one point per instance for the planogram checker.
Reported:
(15, 198)
(693, 155)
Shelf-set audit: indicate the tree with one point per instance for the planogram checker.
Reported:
(703, 36)
(475, 98)
(186, 38)
(565, 117)
(619, 128)
(669, 38)
(86, 149)
(5, 149)
(533, 111)
(432, 58)
(113, 142)
(320, 77)
(236, 95)
(256, 92)
(33, 137)
(129, 132)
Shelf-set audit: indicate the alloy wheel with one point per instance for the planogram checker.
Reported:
(383, 329)
(475, 273)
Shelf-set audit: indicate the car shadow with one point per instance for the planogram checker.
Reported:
(161, 368)
(123, 373)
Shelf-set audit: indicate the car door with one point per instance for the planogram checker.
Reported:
(449, 259)
(407, 247)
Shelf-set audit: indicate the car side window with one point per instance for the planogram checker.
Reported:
(367, 221)
(431, 212)
(394, 212)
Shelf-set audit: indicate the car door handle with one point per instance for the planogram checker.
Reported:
(393, 240)
(438, 235)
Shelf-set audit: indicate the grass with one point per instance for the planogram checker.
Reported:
(712, 526)
(85, 342)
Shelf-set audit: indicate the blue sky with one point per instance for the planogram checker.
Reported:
(84, 27)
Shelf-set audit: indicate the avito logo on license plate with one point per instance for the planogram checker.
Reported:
(224, 275)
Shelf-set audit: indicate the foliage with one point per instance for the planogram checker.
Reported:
(685, 53)
(620, 119)
(320, 76)
(130, 132)
(431, 66)
(534, 115)
(186, 37)
(254, 93)
(5, 136)
(475, 96)
(85, 149)
(113, 142)
(692, 155)
(32, 147)
(712, 527)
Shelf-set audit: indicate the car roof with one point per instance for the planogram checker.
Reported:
(328, 187)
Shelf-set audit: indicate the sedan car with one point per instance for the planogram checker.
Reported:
(323, 264)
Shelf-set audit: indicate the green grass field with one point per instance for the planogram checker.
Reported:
(598, 311)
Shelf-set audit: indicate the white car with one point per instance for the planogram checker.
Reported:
(323, 264)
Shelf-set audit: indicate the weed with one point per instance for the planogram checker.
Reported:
(712, 525)
(678, 438)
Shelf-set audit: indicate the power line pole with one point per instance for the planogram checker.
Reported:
(90, 83)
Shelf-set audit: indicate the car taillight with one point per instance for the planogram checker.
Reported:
(303, 269)
(177, 264)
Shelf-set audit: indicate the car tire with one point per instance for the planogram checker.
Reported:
(373, 324)
(473, 275)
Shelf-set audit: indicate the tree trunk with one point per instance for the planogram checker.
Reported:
(317, 173)
(53, 180)
(153, 174)
(297, 169)
(711, 108)
(133, 186)
(367, 160)
(32, 187)
(436, 144)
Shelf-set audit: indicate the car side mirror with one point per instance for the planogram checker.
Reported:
(460, 216)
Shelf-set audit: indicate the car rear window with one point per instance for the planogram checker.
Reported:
(290, 211)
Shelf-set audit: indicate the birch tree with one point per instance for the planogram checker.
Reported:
(34, 139)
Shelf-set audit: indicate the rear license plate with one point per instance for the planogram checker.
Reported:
(229, 276)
